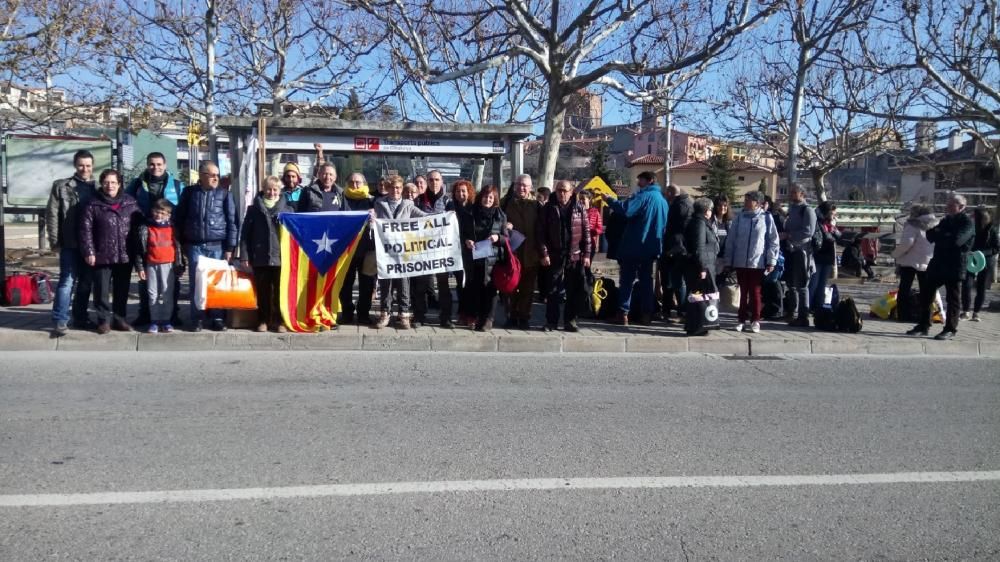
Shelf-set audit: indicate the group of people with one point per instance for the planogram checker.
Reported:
(667, 244)
(683, 245)
(104, 231)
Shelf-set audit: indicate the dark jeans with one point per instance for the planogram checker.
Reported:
(906, 277)
(267, 283)
(981, 281)
(366, 284)
(953, 301)
(673, 285)
(566, 280)
(418, 292)
(629, 271)
(818, 283)
(114, 280)
(75, 284)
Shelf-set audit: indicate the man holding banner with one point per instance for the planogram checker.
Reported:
(433, 200)
(410, 243)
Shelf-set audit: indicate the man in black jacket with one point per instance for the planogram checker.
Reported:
(205, 220)
(952, 239)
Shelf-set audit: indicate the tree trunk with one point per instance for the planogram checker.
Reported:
(478, 171)
(793, 129)
(555, 115)
(819, 183)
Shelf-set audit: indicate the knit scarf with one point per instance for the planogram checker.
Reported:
(269, 203)
(357, 193)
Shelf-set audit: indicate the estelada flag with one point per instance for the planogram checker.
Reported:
(316, 250)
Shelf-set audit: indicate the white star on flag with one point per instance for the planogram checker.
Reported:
(325, 244)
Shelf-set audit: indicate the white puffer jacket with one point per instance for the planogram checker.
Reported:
(913, 249)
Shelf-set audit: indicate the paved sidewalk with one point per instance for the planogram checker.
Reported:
(28, 328)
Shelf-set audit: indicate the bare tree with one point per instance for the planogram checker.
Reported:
(832, 128)
(295, 50)
(814, 26)
(42, 42)
(573, 46)
(166, 54)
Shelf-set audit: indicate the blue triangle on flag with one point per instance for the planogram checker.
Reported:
(324, 237)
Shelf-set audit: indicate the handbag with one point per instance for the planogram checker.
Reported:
(729, 292)
(507, 273)
(220, 285)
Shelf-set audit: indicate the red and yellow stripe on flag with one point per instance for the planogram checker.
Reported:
(309, 299)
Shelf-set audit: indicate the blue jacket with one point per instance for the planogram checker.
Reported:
(139, 188)
(752, 242)
(646, 221)
(207, 216)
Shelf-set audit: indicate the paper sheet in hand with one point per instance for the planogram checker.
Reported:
(516, 239)
(482, 249)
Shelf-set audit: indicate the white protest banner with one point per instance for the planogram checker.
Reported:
(417, 246)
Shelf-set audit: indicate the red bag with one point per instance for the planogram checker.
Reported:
(507, 274)
(19, 289)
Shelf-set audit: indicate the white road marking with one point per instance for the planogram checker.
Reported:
(527, 484)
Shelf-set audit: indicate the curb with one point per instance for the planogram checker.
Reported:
(748, 346)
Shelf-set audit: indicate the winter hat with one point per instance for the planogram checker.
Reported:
(291, 167)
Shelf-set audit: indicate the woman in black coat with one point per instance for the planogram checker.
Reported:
(485, 221)
(108, 225)
(702, 244)
(260, 248)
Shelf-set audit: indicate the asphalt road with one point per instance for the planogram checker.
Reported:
(211, 423)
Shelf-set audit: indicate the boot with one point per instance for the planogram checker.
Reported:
(404, 322)
(383, 320)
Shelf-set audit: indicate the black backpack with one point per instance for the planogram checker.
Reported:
(824, 317)
(847, 316)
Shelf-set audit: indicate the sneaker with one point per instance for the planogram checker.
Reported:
(196, 326)
(975, 317)
(447, 324)
(152, 329)
(741, 326)
(61, 328)
(281, 329)
(571, 327)
(945, 335)
(167, 328)
(404, 323)
(965, 316)
(383, 321)
(755, 327)
(218, 325)
(262, 327)
(548, 328)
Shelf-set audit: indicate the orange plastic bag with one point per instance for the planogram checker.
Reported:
(219, 285)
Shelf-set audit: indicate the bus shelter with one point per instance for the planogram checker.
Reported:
(488, 154)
